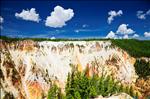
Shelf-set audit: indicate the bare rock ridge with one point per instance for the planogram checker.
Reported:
(27, 67)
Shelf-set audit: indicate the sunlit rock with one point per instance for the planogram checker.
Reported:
(28, 67)
(116, 96)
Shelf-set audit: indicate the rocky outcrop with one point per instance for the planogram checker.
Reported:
(28, 67)
(144, 86)
(116, 96)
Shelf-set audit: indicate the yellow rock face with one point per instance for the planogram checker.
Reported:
(35, 90)
(79, 67)
(132, 60)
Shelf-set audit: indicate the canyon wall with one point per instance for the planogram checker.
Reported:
(28, 67)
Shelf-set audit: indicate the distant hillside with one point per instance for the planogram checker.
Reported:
(134, 47)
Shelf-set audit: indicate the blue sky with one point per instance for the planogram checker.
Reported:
(87, 19)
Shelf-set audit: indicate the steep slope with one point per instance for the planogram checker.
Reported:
(28, 67)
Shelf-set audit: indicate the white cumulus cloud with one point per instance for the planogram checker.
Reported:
(59, 17)
(113, 14)
(29, 15)
(125, 36)
(77, 31)
(147, 34)
(142, 15)
(111, 34)
(123, 29)
(52, 38)
(135, 36)
(123, 32)
(1, 19)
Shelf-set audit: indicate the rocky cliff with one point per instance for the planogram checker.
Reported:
(28, 67)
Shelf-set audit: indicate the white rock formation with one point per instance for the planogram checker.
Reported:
(36, 63)
(116, 96)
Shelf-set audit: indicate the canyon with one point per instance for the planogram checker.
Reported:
(28, 67)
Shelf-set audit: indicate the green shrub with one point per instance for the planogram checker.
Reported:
(55, 92)
(80, 86)
(142, 68)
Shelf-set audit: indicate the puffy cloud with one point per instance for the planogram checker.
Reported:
(59, 17)
(111, 34)
(142, 15)
(122, 29)
(148, 12)
(123, 32)
(147, 34)
(1, 19)
(52, 38)
(113, 14)
(29, 15)
(84, 25)
(135, 36)
(125, 36)
(77, 31)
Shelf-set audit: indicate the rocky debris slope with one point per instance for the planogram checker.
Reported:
(28, 67)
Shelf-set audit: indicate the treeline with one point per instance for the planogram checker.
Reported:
(134, 47)
(49, 39)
